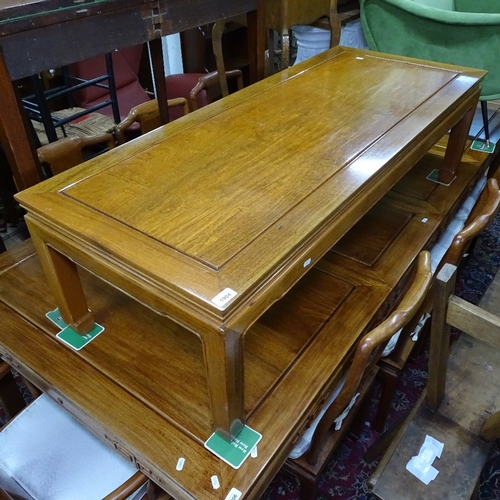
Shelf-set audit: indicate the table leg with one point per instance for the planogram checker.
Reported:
(285, 48)
(224, 364)
(20, 151)
(256, 46)
(159, 78)
(64, 281)
(456, 146)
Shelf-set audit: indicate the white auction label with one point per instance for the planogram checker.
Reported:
(222, 298)
(215, 482)
(234, 494)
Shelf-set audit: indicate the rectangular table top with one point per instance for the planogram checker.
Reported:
(237, 201)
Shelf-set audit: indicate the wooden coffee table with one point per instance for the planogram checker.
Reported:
(211, 219)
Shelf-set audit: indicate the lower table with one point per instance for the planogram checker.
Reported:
(144, 390)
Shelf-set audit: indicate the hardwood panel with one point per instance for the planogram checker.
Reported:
(367, 241)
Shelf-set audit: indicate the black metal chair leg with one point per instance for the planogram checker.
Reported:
(484, 111)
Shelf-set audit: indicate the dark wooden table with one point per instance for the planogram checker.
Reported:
(43, 34)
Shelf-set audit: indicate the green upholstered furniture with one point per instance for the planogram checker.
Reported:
(463, 32)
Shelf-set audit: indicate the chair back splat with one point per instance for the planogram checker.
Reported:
(327, 429)
(70, 151)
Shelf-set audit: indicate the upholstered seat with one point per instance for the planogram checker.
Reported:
(180, 85)
(47, 454)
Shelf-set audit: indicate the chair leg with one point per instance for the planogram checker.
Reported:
(11, 399)
(154, 492)
(475, 493)
(307, 480)
(383, 442)
(389, 380)
(484, 111)
(32, 389)
(308, 488)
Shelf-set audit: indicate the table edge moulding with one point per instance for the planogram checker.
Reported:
(70, 224)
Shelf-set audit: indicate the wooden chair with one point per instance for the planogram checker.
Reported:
(217, 32)
(70, 151)
(46, 453)
(281, 15)
(391, 366)
(460, 408)
(327, 430)
(147, 115)
(210, 81)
